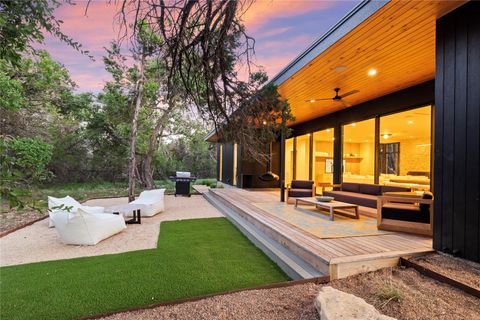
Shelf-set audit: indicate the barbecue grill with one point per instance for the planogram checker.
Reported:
(182, 183)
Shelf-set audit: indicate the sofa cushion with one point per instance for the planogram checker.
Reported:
(299, 193)
(302, 184)
(360, 199)
(405, 212)
(351, 187)
(373, 189)
(394, 189)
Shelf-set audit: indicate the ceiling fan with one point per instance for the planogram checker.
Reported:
(337, 97)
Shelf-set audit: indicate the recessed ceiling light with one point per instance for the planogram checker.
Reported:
(340, 68)
(372, 72)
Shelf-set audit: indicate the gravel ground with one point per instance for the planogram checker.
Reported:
(39, 243)
(295, 302)
(459, 269)
(420, 298)
(10, 219)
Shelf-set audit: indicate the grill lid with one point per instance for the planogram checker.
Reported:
(183, 174)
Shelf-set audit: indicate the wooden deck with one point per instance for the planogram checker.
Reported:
(337, 257)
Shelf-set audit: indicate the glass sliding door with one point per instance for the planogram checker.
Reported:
(358, 149)
(405, 149)
(302, 155)
(322, 159)
(288, 161)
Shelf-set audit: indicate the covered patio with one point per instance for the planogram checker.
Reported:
(338, 248)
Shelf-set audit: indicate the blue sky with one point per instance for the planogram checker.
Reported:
(282, 29)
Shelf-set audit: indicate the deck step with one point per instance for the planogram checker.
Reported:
(291, 264)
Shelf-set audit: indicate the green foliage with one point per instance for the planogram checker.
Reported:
(22, 23)
(193, 258)
(26, 159)
(11, 93)
(23, 162)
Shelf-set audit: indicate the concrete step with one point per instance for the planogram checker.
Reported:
(294, 266)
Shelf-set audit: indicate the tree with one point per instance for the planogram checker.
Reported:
(204, 44)
(22, 23)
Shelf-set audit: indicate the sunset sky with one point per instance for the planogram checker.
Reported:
(282, 30)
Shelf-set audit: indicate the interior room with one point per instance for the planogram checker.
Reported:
(403, 154)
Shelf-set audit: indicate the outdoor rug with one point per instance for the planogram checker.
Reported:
(318, 222)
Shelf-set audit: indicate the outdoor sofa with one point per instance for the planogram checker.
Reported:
(84, 228)
(361, 194)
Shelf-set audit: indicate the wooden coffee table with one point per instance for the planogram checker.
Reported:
(330, 206)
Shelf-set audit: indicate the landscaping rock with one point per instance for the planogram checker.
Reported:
(333, 304)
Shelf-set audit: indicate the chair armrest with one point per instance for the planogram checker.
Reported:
(384, 199)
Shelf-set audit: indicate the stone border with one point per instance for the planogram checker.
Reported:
(318, 280)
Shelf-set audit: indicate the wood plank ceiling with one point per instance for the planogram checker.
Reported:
(398, 41)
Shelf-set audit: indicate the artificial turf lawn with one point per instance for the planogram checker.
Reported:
(193, 257)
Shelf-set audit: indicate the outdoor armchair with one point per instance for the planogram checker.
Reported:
(152, 201)
(68, 202)
(83, 228)
(412, 214)
(300, 189)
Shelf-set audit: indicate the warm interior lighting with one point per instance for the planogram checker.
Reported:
(312, 101)
(354, 124)
(386, 135)
(264, 122)
(372, 72)
(328, 130)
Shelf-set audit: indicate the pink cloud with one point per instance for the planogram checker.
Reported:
(262, 11)
(273, 32)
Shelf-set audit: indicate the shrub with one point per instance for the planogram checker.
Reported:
(23, 162)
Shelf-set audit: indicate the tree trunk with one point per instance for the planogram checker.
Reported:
(133, 133)
(152, 147)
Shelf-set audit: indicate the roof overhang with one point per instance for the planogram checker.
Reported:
(396, 38)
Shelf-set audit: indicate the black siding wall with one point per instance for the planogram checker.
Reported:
(227, 163)
(457, 135)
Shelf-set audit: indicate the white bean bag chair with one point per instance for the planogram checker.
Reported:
(83, 228)
(152, 201)
(68, 202)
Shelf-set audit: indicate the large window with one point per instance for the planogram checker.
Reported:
(405, 149)
(302, 154)
(288, 161)
(403, 155)
(359, 152)
(322, 159)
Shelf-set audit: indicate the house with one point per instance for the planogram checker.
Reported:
(390, 95)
